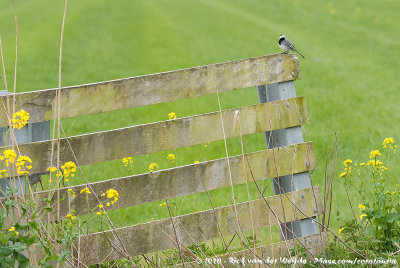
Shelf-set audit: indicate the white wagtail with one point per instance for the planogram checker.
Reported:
(287, 45)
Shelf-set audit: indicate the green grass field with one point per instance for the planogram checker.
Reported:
(349, 75)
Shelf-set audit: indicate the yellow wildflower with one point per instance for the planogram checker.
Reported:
(108, 204)
(346, 162)
(374, 154)
(127, 161)
(20, 119)
(361, 206)
(9, 156)
(163, 204)
(100, 212)
(101, 206)
(171, 116)
(69, 169)
(376, 164)
(196, 162)
(21, 161)
(86, 190)
(71, 192)
(171, 157)
(70, 216)
(3, 173)
(153, 167)
(362, 164)
(388, 141)
(340, 230)
(51, 169)
(112, 193)
(343, 174)
(362, 216)
(12, 229)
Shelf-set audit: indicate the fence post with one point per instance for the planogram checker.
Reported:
(284, 137)
(30, 133)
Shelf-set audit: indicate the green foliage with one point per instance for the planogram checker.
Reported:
(25, 234)
(374, 230)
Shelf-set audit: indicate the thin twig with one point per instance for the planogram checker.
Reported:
(245, 175)
(98, 200)
(233, 199)
(176, 236)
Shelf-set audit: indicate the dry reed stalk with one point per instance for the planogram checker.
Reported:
(233, 199)
(276, 217)
(7, 111)
(237, 118)
(213, 208)
(183, 249)
(13, 139)
(178, 244)
(98, 200)
(277, 182)
(354, 215)
(310, 175)
(58, 114)
(328, 179)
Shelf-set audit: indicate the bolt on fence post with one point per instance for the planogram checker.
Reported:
(284, 137)
(32, 132)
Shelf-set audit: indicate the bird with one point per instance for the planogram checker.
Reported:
(287, 45)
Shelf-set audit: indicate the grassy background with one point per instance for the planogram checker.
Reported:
(349, 75)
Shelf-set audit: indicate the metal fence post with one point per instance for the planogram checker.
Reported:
(284, 137)
(30, 133)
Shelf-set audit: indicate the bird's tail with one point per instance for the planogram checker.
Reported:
(299, 53)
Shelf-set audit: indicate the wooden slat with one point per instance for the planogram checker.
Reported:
(200, 226)
(157, 88)
(266, 255)
(191, 179)
(154, 137)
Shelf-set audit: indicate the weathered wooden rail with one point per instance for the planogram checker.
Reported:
(287, 159)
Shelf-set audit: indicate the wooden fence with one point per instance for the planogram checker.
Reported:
(287, 159)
